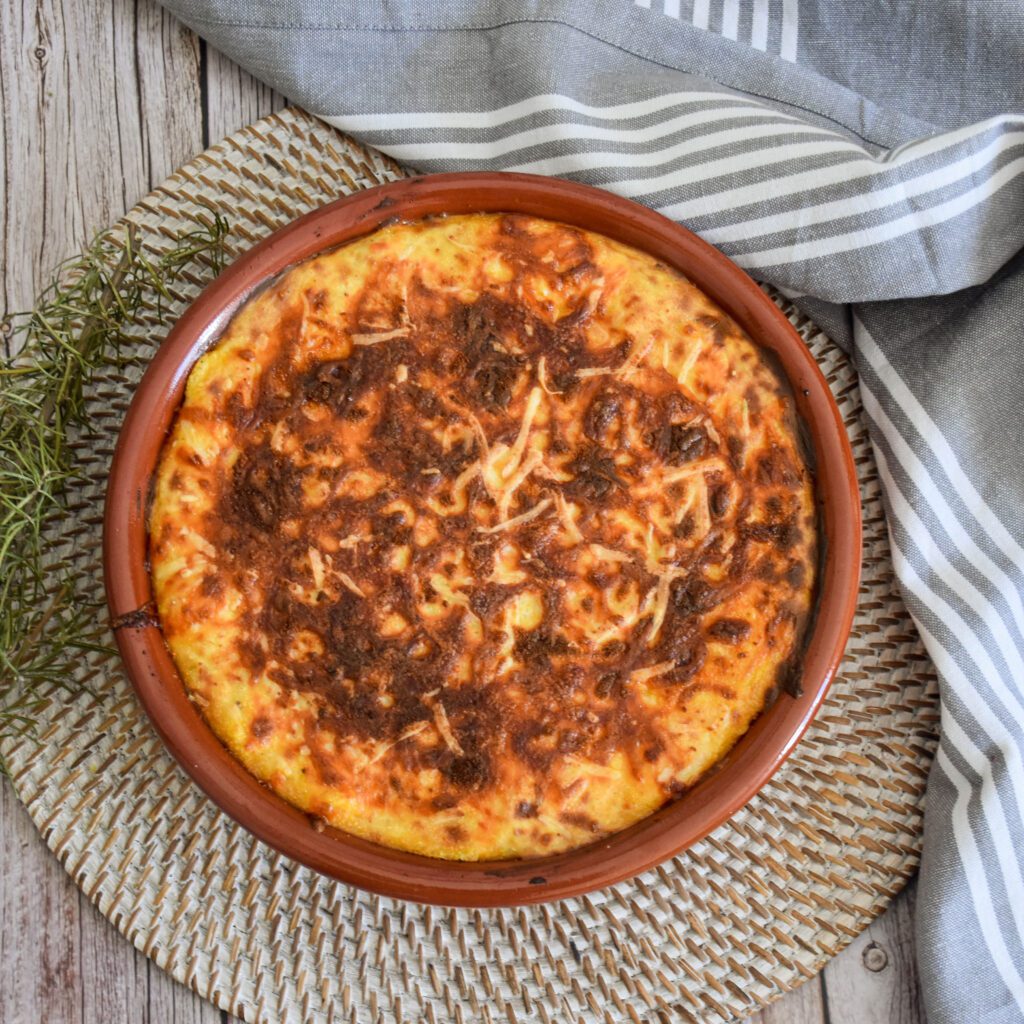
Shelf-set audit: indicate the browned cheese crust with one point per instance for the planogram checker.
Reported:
(483, 536)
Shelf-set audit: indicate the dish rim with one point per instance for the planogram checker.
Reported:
(384, 870)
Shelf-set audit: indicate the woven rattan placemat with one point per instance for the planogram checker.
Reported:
(745, 915)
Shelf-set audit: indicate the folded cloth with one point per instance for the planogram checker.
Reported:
(861, 158)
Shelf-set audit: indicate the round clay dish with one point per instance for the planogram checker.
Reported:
(390, 872)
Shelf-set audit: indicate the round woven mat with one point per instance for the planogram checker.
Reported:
(745, 915)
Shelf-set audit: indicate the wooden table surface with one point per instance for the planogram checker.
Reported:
(100, 103)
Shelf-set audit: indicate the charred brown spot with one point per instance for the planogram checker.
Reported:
(570, 741)
(470, 772)
(789, 678)
(487, 598)
(719, 501)
(211, 585)
(603, 413)
(688, 656)
(261, 727)
(729, 630)
(784, 535)
(491, 369)
(692, 595)
(718, 327)
(578, 820)
(775, 468)
(341, 384)
(407, 450)
(685, 527)
(736, 448)
(538, 646)
(264, 489)
(137, 619)
(677, 443)
(594, 474)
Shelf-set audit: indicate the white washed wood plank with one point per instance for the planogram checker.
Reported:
(112, 978)
(805, 1005)
(172, 1003)
(874, 980)
(99, 103)
(39, 934)
(160, 62)
(234, 98)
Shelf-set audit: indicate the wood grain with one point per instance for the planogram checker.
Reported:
(806, 1005)
(234, 98)
(99, 104)
(875, 977)
(40, 974)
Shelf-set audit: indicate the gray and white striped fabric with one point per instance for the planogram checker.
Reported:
(867, 160)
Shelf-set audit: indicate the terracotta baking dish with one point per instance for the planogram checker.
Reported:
(737, 778)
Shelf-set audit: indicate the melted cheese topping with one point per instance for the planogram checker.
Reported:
(482, 536)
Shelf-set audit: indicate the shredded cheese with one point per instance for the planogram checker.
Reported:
(652, 550)
(552, 473)
(413, 730)
(349, 583)
(609, 554)
(379, 336)
(463, 479)
(316, 563)
(533, 460)
(635, 358)
(701, 507)
(279, 435)
(508, 524)
(199, 542)
(542, 376)
(682, 377)
(445, 729)
(641, 675)
(485, 448)
(515, 455)
(568, 520)
(446, 592)
(661, 593)
(745, 418)
(692, 469)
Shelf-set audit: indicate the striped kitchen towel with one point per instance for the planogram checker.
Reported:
(866, 160)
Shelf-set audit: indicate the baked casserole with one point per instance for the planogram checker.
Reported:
(483, 536)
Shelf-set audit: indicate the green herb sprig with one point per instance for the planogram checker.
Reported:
(49, 619)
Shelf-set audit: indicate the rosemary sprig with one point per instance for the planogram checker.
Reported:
(50, 619)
